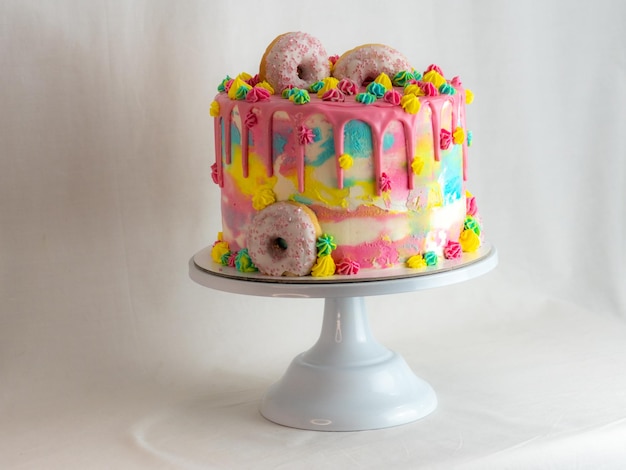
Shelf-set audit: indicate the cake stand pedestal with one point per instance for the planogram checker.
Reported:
(347, 381)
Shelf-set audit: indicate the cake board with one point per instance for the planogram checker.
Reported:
(347, 381)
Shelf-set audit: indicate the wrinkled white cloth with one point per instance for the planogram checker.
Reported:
(111, 357)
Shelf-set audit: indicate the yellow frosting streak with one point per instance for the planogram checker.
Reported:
(317, 191)
(324, 267)
(469, 240)
(469, 96)
(416, 262)
(410, 103)
(257, 173)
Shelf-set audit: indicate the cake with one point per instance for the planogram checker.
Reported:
(328, 166)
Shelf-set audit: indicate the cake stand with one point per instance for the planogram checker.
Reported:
(347, 381)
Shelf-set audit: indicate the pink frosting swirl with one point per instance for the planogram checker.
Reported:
(257, 94)
(385, 182)
(347, 86)
(452, 250)
(393, 97)
(251, 119)
(214, 175)
(231, 259)
(335, 95)
(471, 206)
(456, 82)
(445, 139)
(253, 80)
(227, 85)
(305, 135)
(435, 68)
(346, 267)
(428, 88)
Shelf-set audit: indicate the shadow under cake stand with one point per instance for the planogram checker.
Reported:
(347, 381)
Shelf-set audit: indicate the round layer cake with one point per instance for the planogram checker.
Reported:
(379, 161)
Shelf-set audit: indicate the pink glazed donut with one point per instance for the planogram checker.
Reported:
(294, 59)
(365, 63)
(282, 238)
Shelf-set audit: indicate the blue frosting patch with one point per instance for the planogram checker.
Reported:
(388, 141)
(235, 136)
(328, 152)
(357, 139)
(279, 142)
(301, 199)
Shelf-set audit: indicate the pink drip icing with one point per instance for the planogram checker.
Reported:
(343, 113)
(435, 117)
(339, 152)
(463, 125)
(217, 133)
(300, 148)
(245, 157)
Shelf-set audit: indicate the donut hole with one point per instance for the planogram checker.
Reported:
(306, 71)
(369, 79)
(278, 247)
(280, 244)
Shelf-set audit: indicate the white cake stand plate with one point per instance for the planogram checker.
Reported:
(347, 381)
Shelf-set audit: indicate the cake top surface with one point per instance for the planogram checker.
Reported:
(295, 67)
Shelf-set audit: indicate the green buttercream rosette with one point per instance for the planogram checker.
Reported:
(300, 96)
(447, 89)
(325, 245)
(222, 86)
(376, 89)
(365, 98)
(402, 78)
(472, 224)
(244, 263)
(431, 258)
(224, 258)
(317, 86)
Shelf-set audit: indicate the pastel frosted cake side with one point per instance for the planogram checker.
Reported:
(386, 179)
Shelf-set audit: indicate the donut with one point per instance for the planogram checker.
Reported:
(364, 63)
(294, 59)
(281, 239)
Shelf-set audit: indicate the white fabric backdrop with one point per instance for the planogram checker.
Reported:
(111, 357)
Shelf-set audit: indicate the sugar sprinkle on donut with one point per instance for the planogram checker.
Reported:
(294, 59)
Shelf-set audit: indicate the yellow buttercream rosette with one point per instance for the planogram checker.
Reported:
(263, 198)
(410, 103)
(219, 249)
(324, 267)
(469, 240)
(345, 161)
(416, 262)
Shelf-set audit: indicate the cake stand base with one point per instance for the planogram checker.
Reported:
(347, 381)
